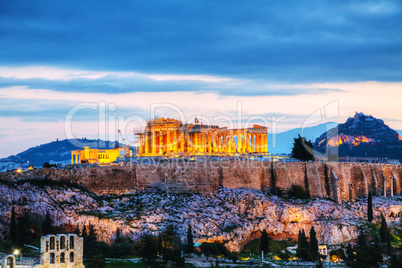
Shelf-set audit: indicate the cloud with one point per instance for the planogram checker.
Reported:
(287, 41)
(276, 57)
(56, 79)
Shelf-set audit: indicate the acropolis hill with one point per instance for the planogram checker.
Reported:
(148, 197)
(337, 181)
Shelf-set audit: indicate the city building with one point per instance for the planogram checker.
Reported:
(99, 156)
(58, 251)
(170, 137)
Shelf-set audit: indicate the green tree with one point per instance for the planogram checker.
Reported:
(209, 249)
(326, 180)
(306, 185)
(383, 230)
(91, 243)
(370, 208)
(148, 248)
(168, 237)
(389, 246)
(314, 243)
(298, 191)
(190, 241)
(84, 233)
(97, 262)
(77, 230)
(361, 239)
(273, 175)
(264, 245)
(160, 247)
(302, 149)
(367, 256)
(122, 246)
(47, 226)
(22, 231)
(233, 256)
(13, 226)
(350, 256)
(303, 247)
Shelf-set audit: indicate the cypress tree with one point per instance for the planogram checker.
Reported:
(190, 241)
(148, 248)
(273, 176)
(313, 243)
(361, 239)
(92, 237)
(264, 245)
(220, 176)
(22, 232)
(85, 238)
(303, 248)
(47, 227)
(389, 246)
(303, 240)
(84, 233)
(160, 247)
(13, 227)
(370, 208)
(77, 230)
(326, 180)
(349, 255)
(299, 239)
(383, 230)
(90, 242)
(306, 185)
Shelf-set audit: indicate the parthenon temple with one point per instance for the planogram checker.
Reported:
(170, 137)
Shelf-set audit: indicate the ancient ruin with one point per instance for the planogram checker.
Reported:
(170, 137)
(62, 251)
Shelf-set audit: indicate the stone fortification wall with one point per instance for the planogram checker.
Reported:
(338, 181)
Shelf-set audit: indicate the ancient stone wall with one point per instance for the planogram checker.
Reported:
(338, 181)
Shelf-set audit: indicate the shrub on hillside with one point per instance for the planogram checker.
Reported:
(298, 191)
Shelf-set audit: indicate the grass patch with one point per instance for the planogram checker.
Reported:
(139, 265)
(275, 246)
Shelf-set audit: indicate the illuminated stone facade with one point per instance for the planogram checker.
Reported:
(98, 156)
(170, 137)
(62, 250)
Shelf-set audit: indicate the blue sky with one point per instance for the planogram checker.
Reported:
(278, 58)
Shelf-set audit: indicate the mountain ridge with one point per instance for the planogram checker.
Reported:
(55, 151)
(362, 136)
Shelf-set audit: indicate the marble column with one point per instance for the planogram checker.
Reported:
(153, 142)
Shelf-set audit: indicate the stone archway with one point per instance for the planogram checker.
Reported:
(9, 261)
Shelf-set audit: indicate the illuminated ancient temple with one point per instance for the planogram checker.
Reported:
(170, 137)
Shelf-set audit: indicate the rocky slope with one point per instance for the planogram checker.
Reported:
(234, 216)
(362, 136)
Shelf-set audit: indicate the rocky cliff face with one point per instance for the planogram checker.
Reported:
(362, 136)
(337, 181)
(233, 216)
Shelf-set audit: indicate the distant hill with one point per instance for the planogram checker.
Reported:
(284, 140)
(59, 151)
(55, 151)
(362, 136)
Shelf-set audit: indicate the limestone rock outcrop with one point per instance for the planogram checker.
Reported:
(233, 216)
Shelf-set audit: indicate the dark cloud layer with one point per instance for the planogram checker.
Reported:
(292, 41)
(110, 84)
